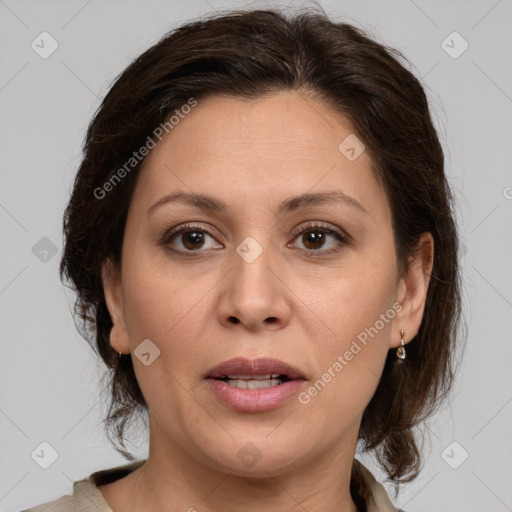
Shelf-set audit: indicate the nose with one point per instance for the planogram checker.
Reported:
(255, 295)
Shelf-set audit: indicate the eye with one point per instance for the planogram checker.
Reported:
(189, 238)
(316, 236)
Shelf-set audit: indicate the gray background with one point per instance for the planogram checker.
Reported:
(49, 376)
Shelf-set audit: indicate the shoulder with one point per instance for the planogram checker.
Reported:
(375, 496)
(62, 504)
(86, 496)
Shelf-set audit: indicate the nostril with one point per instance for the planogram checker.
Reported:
(270, 320)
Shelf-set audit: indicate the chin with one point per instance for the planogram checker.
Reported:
(258, 454)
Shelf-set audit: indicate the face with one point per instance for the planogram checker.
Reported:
(288, 256)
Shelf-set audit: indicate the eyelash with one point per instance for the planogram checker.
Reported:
(342, 238)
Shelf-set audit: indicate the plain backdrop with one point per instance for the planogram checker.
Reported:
(50, 391)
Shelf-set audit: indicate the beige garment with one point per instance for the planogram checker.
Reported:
(87, 497)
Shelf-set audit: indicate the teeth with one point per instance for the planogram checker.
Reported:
(253, 383)
(253, 377)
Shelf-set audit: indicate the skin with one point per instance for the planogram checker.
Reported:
(293, 305)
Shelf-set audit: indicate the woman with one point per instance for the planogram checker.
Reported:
(261, 235)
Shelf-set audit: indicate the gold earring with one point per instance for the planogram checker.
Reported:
(400, 351)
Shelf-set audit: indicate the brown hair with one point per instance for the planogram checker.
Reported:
(248, 54)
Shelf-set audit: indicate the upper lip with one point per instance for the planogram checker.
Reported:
(248, 367)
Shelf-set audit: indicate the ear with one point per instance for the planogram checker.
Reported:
(412, 292)
(113, 290)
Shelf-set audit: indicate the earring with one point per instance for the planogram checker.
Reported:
(400, 352)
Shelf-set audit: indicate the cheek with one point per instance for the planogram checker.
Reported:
(159, 301)
(352, 298)
(358, 310)
(170, 311)
(350, 364)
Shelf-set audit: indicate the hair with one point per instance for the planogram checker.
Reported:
(248, 54)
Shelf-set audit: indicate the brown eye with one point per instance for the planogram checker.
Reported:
(313, 239)
(188, 239)
(192, 240)
(321, 239)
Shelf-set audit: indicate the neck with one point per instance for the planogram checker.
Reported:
(175, 476)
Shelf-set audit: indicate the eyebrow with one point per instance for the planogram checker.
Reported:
(289, 205)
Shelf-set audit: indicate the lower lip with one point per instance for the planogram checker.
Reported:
(255, 400)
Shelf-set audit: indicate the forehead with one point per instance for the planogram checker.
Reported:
(267, 148)
(286, 124)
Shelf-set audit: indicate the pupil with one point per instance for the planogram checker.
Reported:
(314, 237)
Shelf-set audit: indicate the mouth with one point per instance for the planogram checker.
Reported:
(254, 385)
(263, 372)
(255, 381)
